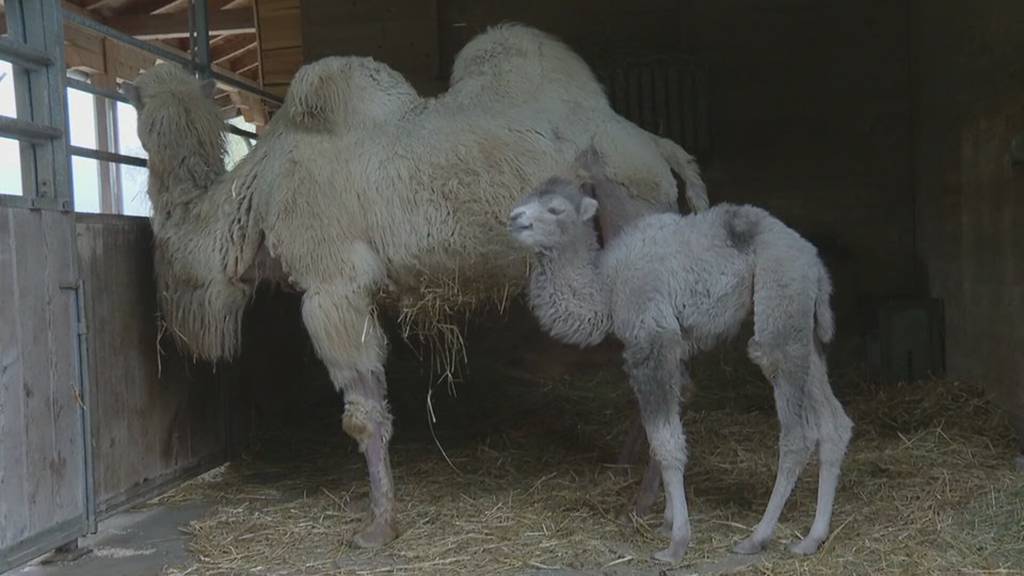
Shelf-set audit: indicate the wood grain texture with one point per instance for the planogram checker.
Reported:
(42, 476)
(158, 418)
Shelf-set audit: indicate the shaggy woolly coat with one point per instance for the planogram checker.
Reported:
(362, 185)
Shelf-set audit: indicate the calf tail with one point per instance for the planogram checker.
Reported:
(824, 322)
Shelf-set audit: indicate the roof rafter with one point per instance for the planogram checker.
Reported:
(175, 25)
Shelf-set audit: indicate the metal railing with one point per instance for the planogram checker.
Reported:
(198, 61)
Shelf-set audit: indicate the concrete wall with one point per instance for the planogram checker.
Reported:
(969, 98)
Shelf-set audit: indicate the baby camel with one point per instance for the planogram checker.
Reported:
(670, 286)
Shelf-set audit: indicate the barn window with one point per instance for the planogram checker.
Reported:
(10, 152)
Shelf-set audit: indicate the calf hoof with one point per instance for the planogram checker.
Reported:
(749, 546)
(377, 534)
(805, 547)
(673, 554)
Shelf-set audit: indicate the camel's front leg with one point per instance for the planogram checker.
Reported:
(653, 365)
(351, 344)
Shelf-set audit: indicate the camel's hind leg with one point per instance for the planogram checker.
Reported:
(834, 429)
(782, 346)
(351, 344)
(796, 440)
(785, 347)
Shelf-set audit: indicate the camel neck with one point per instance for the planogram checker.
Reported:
(568, 293)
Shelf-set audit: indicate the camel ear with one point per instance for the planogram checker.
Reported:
(131, 92)
(588, 208)
(207, 87)
(588, 189)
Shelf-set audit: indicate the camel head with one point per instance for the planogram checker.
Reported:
(179, 125)
(557, 213)
(340, 91)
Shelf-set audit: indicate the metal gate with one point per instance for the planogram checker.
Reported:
(43, 455)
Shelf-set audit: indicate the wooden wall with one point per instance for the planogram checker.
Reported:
(156, 419)
(42, 472)
(279, 30)
(402, 33)
(420, 38)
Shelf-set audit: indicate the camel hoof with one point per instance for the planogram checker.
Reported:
(671, 555)
(377, 534)
(805, 547)
(748, 546)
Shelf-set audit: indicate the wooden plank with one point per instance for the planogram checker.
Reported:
(175, 25)
(31, 255)
(159, 419)
(279, 66)
(66, 461)
(233, 47)
(84, 50)
(400, 33)
(362, 11)
(280, 24)
(53, 446)
(13, 501)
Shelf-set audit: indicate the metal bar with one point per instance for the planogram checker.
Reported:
(165, 54)
(109, 32)
(82, 337)
(91, 89)
(86, 87)
(241, 132)
(35, 203)
(108, 156)
(28, 131)
(22, 55)
(246, 86)
(201, 36)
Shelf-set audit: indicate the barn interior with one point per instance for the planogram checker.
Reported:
(888, 133)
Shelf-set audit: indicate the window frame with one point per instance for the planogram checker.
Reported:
(35, 48)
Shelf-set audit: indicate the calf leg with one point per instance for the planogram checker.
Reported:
(796, 437)
(653, 366)
(352, 346)
(834, 429)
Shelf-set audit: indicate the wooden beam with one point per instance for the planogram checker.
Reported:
(233, 48)
(251, 107)
(244, 61)
(158, 26)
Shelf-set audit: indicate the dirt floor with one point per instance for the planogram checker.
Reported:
(525, 484)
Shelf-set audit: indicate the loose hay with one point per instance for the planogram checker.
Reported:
(927, 489)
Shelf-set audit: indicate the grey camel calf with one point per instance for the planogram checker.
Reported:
(670, 286)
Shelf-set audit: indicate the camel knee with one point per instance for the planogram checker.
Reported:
(365, 421)
(835, 438)
(667, 443)
(760, 356)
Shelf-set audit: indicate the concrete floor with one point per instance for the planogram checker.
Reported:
(133, 543)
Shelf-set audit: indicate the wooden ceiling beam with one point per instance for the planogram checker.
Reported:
(160, 26)
(232, 48)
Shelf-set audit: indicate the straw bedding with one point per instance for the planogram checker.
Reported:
(927, 488)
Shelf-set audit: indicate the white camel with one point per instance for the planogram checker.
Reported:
(670, 286)
(363, 195)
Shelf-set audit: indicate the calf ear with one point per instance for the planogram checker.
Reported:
(588, 208)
